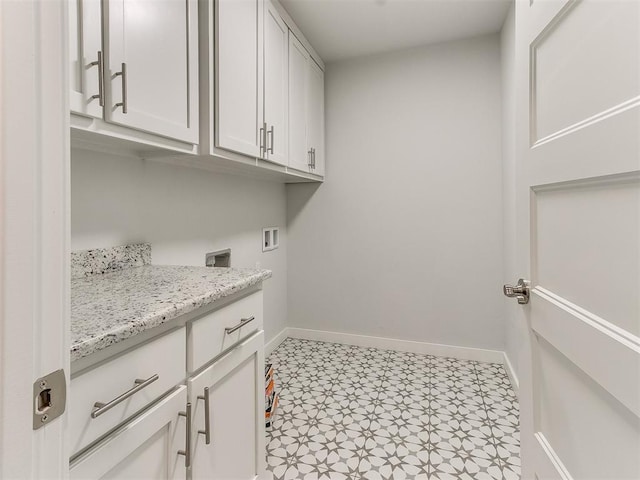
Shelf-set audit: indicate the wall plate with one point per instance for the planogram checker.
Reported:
(270, 238)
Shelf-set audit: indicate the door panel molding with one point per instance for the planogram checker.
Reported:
(549, 463)
(579, 334)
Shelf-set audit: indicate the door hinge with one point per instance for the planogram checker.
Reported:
(49, 398)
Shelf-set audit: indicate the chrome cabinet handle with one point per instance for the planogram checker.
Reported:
(243, 322)
(310, 163)
(100, 64)
(123, 73)
(314, 158)
(262, 139)
(270, 132)
(101, 408)
(187, 449)
(207, 423)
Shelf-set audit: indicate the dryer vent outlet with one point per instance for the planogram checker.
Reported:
(221, 258)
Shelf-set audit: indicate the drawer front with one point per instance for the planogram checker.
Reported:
(164, 357)
(208, 337)
(147, 448)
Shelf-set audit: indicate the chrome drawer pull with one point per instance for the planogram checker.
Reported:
(207, 423)
(100, 407)
(187, 449)
(243, 322)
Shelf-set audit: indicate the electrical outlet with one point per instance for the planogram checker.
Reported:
(270, 238)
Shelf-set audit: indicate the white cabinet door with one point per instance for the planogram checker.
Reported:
(152, 71)
(315, 112)
(239, 76)
(299, 153)
(234, 388)
(85, 57)
(276, 75)
(146, 448)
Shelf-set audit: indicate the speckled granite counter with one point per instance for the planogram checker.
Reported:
(109, 308)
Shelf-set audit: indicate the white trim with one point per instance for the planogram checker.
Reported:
(275, 342)
(34, 212)
(515, 383)
(464, 353)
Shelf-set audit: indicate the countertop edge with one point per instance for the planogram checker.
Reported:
(90, 346)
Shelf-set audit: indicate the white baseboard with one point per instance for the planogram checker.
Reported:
(272, 344)
(515, 383)
(464, 353)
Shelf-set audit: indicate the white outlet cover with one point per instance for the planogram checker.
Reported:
(270, 238)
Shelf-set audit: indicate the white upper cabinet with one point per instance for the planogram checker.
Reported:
(315, 117)
(152, 69)
(306, 110)
(276, 77)
(299, 154)
(238, 82)
(86, 57)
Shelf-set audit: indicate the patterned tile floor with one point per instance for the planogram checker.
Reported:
(363, 413)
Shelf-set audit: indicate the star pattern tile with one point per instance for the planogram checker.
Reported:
(354, 413)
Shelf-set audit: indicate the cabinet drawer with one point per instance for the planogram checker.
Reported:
(145, 448)
(208, 337)
(164, 357)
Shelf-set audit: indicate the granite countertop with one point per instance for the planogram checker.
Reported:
(107, 308)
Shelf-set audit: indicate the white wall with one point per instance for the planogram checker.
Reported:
(184, 213)
(515, 334)
(404, 238)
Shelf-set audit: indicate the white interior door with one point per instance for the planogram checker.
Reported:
(276, 85)
(578, 144)
(156, 42)
(34, 231)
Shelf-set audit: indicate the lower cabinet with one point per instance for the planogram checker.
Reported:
(228, 415)
(145, 448)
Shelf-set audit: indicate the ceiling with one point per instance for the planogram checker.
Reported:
(341, 29)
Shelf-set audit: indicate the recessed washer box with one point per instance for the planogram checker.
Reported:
(270, 238)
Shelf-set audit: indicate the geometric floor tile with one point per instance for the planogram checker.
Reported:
(353, 413)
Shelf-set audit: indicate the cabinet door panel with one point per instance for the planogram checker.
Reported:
(236, 402)
(85, 41)
(298, 60)
(315, 111)
(238, 75)
(157, 40)
(276, 75)
(146, 448)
